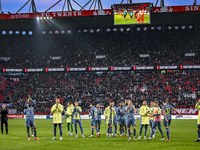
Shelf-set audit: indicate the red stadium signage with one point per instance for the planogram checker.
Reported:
(176, 8)
(187, 111)
(57, 14)
(15, 116)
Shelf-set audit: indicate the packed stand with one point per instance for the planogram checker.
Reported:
(181, 89)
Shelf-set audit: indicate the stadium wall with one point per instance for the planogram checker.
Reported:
(17, 116)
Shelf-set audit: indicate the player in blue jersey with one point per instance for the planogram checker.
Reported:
(29, 105)
(167, 111)
(33, 113)
(93, 113)
(151, 118)
(131, 119)
(115, 119)
(77, 118)
(121, 118)
(99, 113)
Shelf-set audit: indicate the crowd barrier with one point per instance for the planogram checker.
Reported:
(18, 116)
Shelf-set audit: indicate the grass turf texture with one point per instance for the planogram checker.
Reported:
(183, 134)
(118, 19)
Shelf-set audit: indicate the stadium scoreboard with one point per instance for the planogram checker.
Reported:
(131, 14)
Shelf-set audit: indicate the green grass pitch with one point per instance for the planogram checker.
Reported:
(183, 135)
(118, 19)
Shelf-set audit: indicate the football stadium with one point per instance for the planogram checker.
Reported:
(92, 74)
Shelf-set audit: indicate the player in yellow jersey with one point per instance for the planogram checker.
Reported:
(69, 117)
(144, 120)
(57, 110)
(197, 106)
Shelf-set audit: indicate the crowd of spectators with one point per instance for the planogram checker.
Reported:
(181, 89)
(120, 49)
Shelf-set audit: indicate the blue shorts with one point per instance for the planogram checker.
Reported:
(30, 123)
(98, 121)
(151, 123)
(115, 120)
(198, 126)
(130, 122)
(156, 124)
(94, 123)
(165, 123)
(122, 121)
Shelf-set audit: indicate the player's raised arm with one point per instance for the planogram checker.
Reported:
(128, 105)
(100, 112)
(60, 108)
(177, 111)
(53, 109)
(79, 109)
(118, 111)
(114, 112)
(133, 107)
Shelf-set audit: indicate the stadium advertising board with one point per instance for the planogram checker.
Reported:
(144, 55)
(15, 116)
(122, 68)
(56, 69)
(12, 70)
(185, 8)
(77, 69)
(99, 68)
(144, 67)
(34, 70)
(189, 54)
(7, 104)
(112, 68)
(57, 14)
(5, 58)
(125, 14)
(191, 67)
(168, 67)
(187, 111)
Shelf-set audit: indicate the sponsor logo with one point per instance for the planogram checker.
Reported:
(168, 67)
(18, 16)
(187, 111)
(56, 69)
(15, 116)
(35, 70)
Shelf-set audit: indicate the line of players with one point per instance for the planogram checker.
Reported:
(138, 16)
(124, 115)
